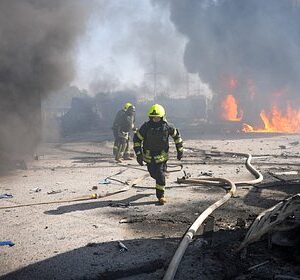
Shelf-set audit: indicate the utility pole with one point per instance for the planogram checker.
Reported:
(188, 83)
(155, 75)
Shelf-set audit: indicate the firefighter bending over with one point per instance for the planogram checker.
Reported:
(151, 144)
(123, 124)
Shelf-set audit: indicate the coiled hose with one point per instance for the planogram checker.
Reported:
(187, 238)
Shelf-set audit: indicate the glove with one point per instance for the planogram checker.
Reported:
(179, 155)
(139, 159)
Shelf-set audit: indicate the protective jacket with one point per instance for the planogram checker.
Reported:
(152, 141)
(118, 119)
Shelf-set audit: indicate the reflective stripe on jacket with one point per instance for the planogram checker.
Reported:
(152, 140)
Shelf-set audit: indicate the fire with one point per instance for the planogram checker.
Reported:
(230, 109)
(278, 121)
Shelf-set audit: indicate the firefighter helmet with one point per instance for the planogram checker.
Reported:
(127, 105)
(156, 111)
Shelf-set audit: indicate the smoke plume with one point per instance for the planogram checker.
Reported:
(254, 43)
(139, 40)
(36, 42)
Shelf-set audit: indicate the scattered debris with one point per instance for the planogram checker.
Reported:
(8, 243)
(105, 182)
(237, 170)
(285, 155)
(131, 220)
(123, 248)
(294, 172)
(257, 265)
(208, 173)
(6, 195)
(36, 190)
(54, 192)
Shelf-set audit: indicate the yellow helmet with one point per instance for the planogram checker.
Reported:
(156, 111)
(127, 105)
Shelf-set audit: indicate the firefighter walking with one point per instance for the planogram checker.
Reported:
(123, 124)
(151, 145)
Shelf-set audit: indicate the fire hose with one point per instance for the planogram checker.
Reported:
(188, 237)
(83, 198)
(128, 184)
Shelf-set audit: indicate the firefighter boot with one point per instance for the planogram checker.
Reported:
(161, 196)
(162, 200)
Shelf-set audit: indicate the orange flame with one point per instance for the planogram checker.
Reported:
(230, 109)
(278, 121)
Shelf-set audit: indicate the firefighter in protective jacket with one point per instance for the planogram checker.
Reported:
(151, 145)
(123, 124)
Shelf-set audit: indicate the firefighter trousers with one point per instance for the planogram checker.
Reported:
(121, 146)
(157, 172)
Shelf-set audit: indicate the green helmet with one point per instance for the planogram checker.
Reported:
(127, 105)
(156, 111)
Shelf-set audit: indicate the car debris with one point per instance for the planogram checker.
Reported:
(270, 219)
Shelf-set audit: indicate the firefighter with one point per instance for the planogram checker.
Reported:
(151, 145)
(123, 124)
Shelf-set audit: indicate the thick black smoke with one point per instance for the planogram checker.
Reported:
(255, 42)
(36, 56)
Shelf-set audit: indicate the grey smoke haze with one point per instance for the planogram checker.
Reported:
(135, 32)
(36, 57)
(256, 42)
